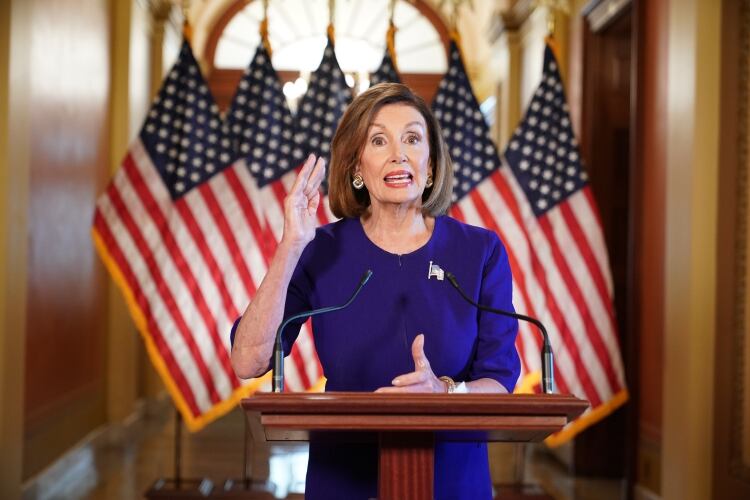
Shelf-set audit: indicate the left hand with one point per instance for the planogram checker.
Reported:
(421, 379)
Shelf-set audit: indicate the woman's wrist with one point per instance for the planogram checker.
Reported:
(451, 387)
(291, 249)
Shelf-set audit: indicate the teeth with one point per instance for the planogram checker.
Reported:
(398, 177)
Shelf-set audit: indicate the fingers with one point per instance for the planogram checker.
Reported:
(411, 378)
(304, 175)
(408, 388)
(316, 177)
(421, 379)
(417, 352)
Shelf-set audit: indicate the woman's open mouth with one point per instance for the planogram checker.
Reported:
(398, 179)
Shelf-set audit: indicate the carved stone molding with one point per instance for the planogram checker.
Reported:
(510, 19)
(162, 12)
(599, 13)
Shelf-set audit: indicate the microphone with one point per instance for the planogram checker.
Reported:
(548, 368)
(278, 350)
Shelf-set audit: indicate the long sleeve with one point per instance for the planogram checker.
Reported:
(496, 355)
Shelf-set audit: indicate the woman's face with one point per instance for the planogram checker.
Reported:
(395, 161)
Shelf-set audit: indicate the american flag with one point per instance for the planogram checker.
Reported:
(542, 207)
(386, 72)
(321, 107)
(179, 236)
(262, 129)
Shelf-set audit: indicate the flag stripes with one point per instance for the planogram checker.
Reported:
(191, 221)
(538, 201)
(209, 224)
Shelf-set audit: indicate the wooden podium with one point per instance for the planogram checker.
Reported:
(406, 426)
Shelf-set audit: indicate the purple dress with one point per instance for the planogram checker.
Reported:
(366, 345)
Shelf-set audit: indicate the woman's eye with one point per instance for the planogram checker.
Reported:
(413, 139)
(378, 141)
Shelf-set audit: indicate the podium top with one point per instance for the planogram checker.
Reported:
(456, 417)
(352, 403)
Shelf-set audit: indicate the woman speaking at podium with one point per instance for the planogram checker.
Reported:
(407, 331)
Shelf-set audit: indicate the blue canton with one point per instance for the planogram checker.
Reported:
(386, 72)
(474, 154)
(260, 124)
(183, 131)
(321, 107)
(543, 152)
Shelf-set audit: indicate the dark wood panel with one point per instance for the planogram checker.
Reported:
(649, 195)
(731, 468)
(601, 450)
(65, 338)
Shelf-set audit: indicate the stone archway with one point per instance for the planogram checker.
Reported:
(223, 81)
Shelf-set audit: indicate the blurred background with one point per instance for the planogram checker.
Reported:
(658, 98)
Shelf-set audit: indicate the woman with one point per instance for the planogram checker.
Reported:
(390, 182)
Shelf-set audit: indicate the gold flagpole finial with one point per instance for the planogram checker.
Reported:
(187, 30)
(553, 6)
(390, 37)
(264, 29)
(331, 31)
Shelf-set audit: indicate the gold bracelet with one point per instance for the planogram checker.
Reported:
(450, 383)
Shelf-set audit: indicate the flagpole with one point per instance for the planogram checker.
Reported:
(390, 37)
(245, 450)
(264, 29)
(187, 30)
(331, 31)
(177, 448)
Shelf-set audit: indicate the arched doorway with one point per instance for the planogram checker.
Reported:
(297, 33)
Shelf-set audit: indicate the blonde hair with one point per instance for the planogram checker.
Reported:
(349, 142)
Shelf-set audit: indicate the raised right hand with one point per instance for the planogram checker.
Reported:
(301, 204)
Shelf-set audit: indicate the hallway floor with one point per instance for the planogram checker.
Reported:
(127, 465)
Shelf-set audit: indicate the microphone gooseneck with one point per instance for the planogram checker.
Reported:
(548, 366)
(278, 349)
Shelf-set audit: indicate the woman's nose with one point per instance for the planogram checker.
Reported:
(398, 156)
